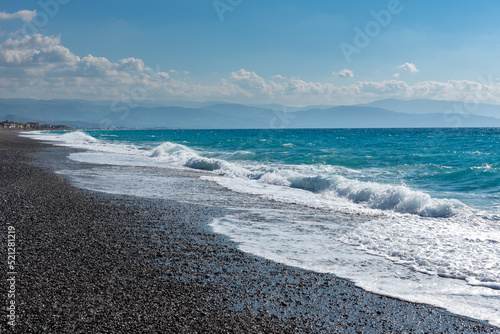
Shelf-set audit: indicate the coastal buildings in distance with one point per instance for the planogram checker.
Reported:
(31, 126)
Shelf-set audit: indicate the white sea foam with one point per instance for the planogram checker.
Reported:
(68, 138)
(181, 155)
(368, 194)
(275, 179)
(464, 247)
(81, 140)
(396, 198)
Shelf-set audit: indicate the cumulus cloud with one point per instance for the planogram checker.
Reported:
(249, 81)
(37, 50)
(410, 67)
(40, 66)
(25, 15)
(131, 64)
(396, 75)
(345, 73)
(41, 63)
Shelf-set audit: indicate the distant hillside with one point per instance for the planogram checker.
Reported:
(369, 117)
(438, 107)
(88, 114)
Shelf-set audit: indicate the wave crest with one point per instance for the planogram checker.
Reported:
(180, 155)
(315, 184)
(397, 198)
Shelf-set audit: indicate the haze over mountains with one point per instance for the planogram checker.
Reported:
(220, 115)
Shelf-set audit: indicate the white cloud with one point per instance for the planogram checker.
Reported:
(131, 64)
(37, 50)
(250, 83)
(25, 15)
(396, 75)
(40, 66)
(410, 67)
(41, 63)
(345, 73)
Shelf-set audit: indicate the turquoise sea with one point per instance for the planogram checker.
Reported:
(410, 213)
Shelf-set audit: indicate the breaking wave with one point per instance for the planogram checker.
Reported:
(371, 194)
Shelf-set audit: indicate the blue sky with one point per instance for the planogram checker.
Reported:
(287, 52)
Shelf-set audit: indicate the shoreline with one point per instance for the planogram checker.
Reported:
(95, 262)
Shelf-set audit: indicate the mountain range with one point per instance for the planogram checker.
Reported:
(220, 115)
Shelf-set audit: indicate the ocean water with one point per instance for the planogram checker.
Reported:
(409, 213)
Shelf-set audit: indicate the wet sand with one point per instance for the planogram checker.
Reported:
(88, 262)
